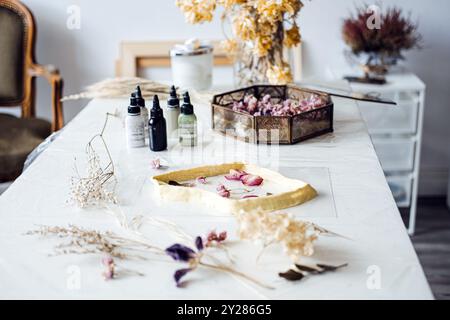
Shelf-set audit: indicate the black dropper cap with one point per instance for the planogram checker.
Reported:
(133, 108)
(156, 111)
(173, 101)
(187, 107)
(140, 101)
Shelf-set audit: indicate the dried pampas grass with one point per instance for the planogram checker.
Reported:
(121, 88)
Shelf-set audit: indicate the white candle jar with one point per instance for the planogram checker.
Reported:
(192, 69)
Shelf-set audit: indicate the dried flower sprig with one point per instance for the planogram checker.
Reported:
(196, 258)
(296, 237)
(87, 241)
(97, 186)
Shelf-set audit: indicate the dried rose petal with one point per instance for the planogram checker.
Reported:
(224, 193)
(107, 261)
(201, 180)
(108, 274)
(249, 196)
(235, 175)
(156, 164)
(222, 236)
(252, 180)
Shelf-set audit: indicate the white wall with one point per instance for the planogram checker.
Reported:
(87, 55)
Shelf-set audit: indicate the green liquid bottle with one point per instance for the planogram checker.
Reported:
(187, 123)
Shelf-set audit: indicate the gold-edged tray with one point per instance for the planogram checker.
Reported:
(295, 192)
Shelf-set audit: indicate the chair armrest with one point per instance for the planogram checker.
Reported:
(56, 82)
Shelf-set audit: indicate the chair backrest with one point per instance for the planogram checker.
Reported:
(17, 36)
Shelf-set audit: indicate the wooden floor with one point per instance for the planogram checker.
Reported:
(432, 243)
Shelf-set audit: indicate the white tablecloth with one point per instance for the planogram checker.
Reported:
(354, 201)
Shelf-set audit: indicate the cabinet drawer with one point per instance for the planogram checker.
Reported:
(401, 187)
(395, 154)
(400, 119)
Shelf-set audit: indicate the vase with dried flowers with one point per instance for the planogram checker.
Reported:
(380, 37)
(261, 29)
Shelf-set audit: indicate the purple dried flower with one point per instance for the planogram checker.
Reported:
(180, 274)
(180, 252)
(199, 243)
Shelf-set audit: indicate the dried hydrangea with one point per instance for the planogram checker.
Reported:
(296, 237)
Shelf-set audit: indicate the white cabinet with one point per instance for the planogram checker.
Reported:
(395, 154)
(397, 134)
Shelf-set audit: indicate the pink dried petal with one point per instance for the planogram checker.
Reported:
(156, 164)
(107, 261)
(249, 196)
(252, 180)
(201, 180)
(222, 236)
(224, 193)
(235, 175)
(108, 274)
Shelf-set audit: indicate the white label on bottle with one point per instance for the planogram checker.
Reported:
(135, 132)
(144, 115)
(188, 134)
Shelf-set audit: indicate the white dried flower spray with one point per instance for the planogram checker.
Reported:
(97, 186)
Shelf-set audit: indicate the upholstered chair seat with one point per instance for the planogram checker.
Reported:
(18, 137)
(18, 70)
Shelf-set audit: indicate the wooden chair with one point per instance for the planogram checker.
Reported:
(18, 70)
(137, 55)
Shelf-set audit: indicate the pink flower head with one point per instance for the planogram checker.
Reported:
(107, 261)
(201, 180)
(108, 274)
(223, 191)
(252, 180)
(156, 164)
(235, 175)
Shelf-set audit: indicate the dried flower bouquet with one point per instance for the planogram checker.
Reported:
(259, 34)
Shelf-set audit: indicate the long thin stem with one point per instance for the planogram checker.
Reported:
(237, 273)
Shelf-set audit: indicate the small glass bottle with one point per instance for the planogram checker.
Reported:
(173, 112)
(187, 123)
(157, 127)
(134, 126)
(140, 102)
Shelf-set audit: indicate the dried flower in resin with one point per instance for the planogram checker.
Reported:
(201, 180)
(244, 177)
(223, 191)
(235, 175)
(252, 180)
